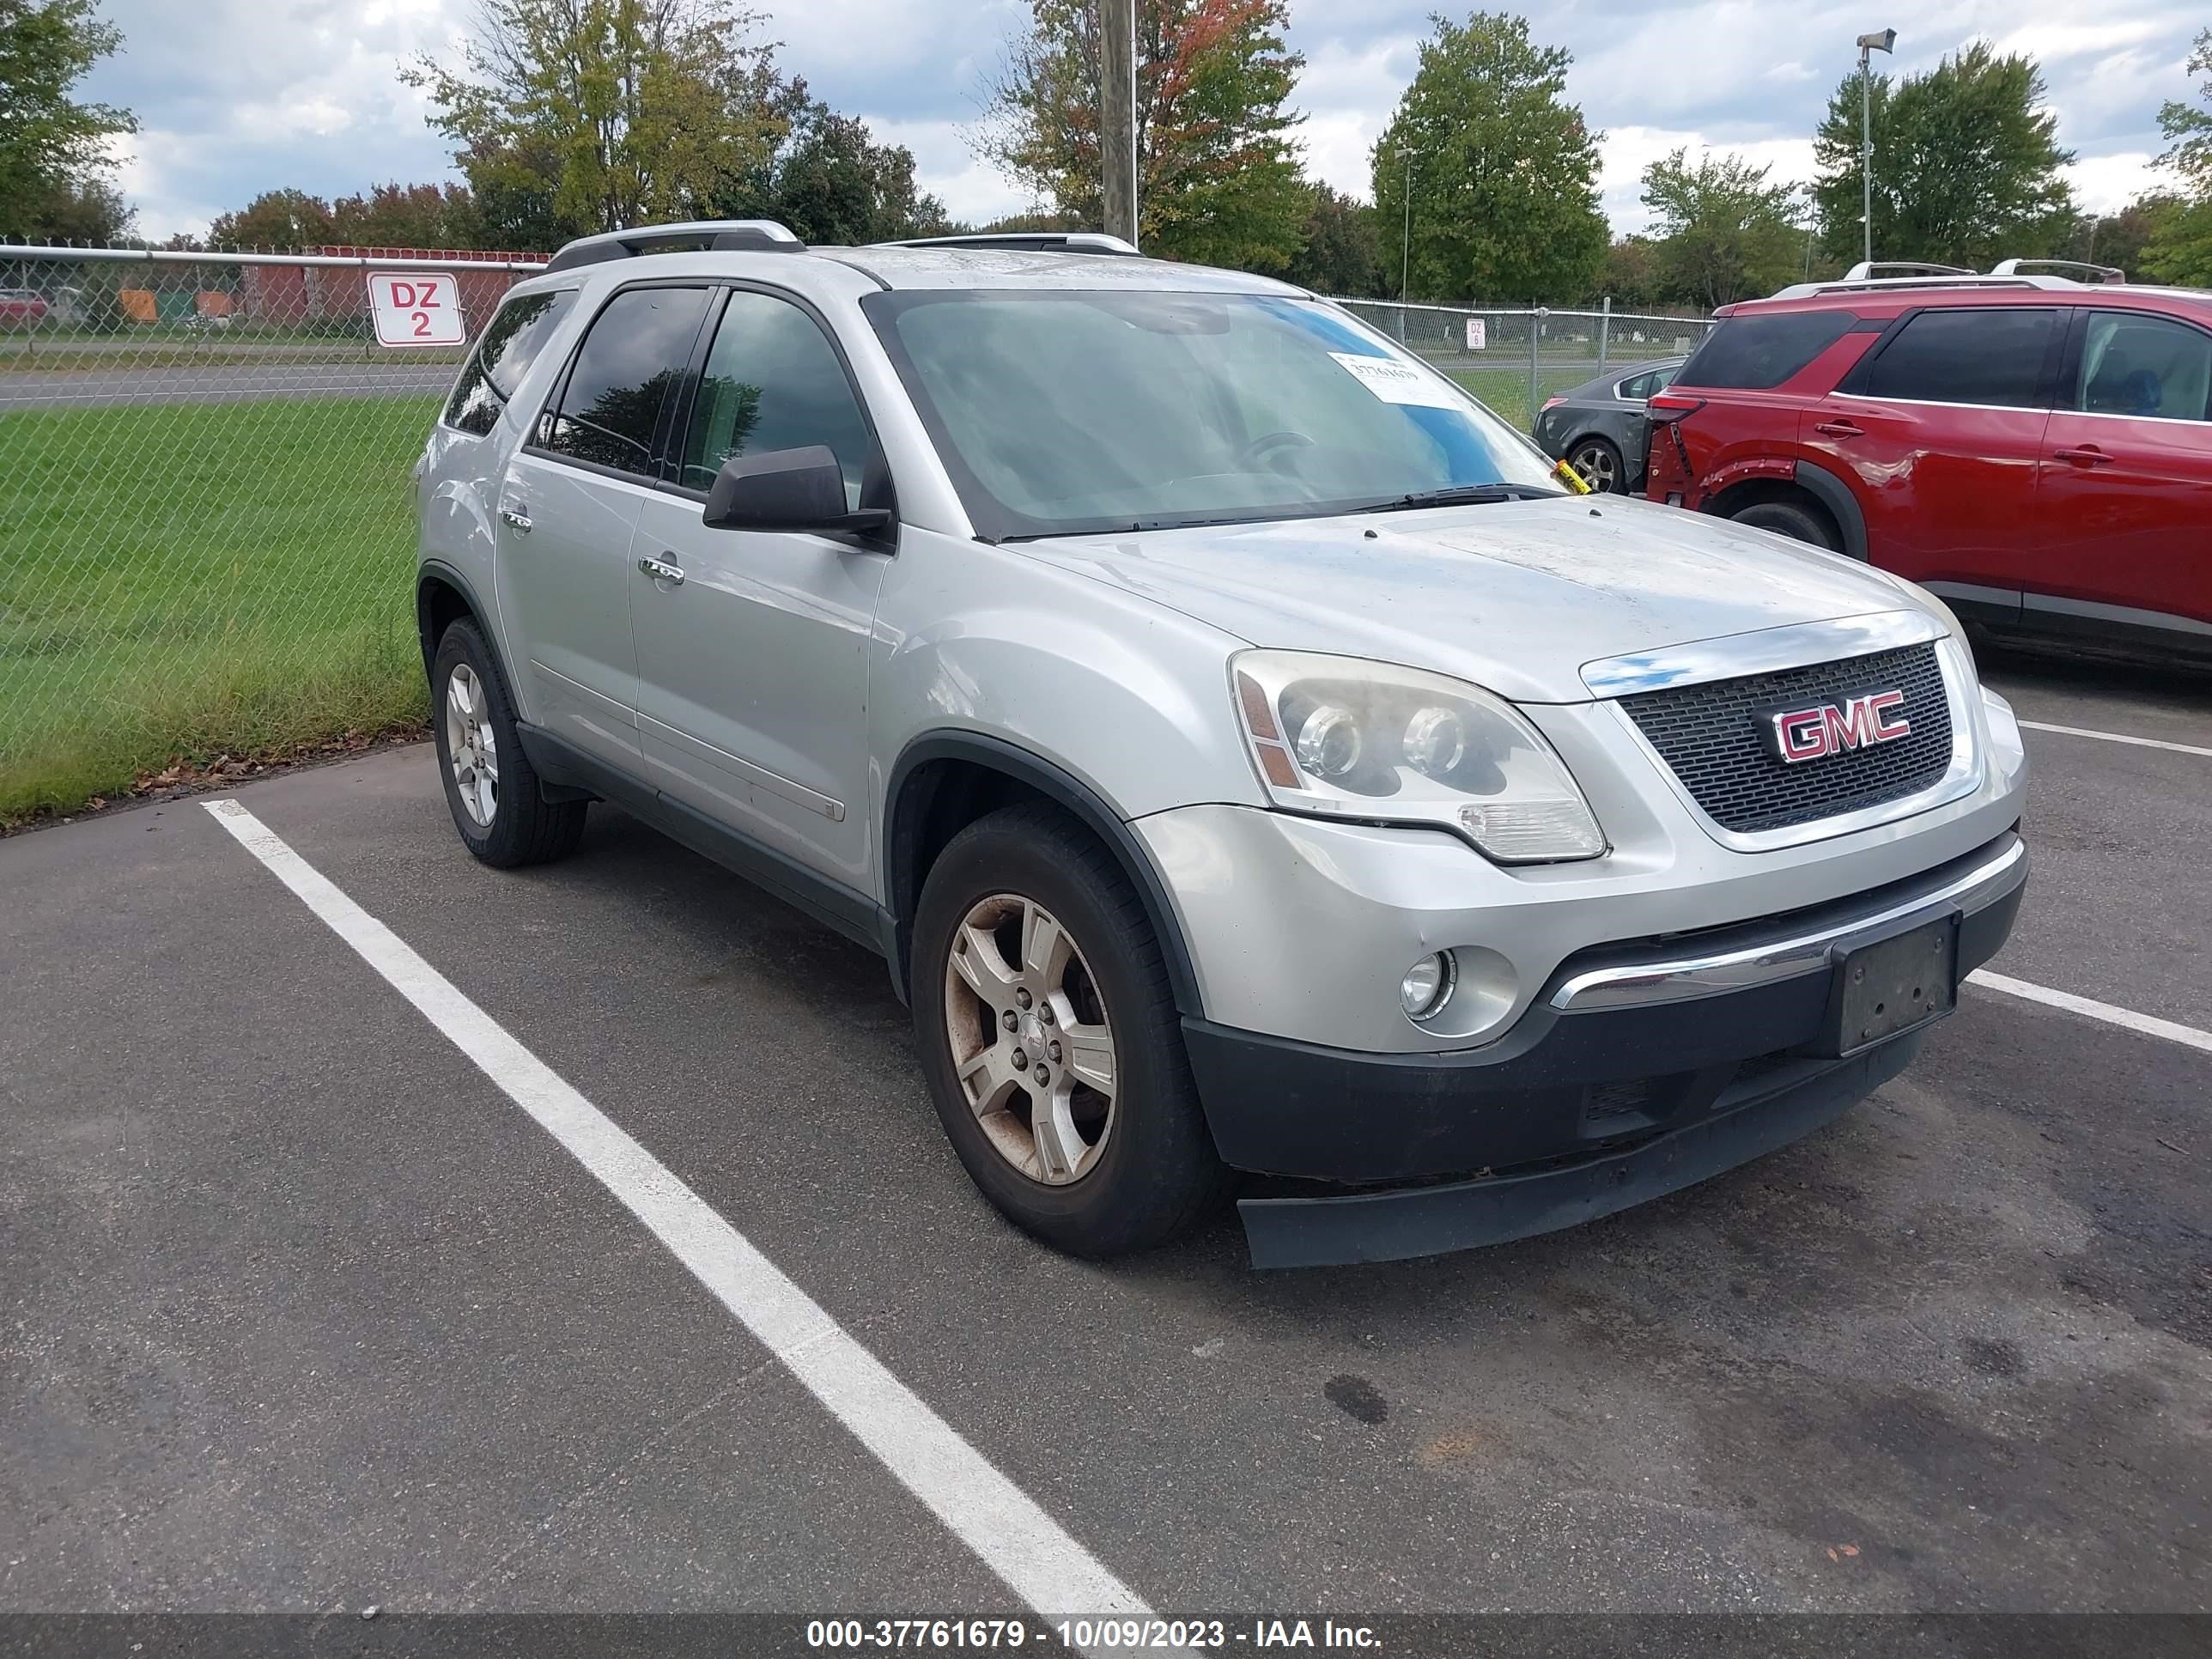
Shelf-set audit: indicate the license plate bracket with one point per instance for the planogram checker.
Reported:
(1891, 985)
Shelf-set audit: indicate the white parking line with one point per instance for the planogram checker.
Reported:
(1008, 1532)
(2116, 737)
(2149, 1024)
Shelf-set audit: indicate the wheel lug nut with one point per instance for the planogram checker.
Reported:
(1042, 1075)
(1009, 1019)
(1021, 1059)
(1021, 999)
(1051, 1052)
(1045, 1014)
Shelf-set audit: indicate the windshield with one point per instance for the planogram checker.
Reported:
(1061, 412)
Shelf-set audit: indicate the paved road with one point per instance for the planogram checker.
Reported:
(301, 1312)
(218, 383)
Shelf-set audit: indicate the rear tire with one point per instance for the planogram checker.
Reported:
(1600, 465)
(1787, 519)
(1035, 978)
(491, 789)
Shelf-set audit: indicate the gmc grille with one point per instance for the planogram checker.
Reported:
(1710, 735)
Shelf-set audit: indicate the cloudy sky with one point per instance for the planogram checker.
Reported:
(238, 96)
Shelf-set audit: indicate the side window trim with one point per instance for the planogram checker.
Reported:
(878, 463)
(551, 406)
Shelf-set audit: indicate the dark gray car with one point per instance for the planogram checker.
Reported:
(1600, 427)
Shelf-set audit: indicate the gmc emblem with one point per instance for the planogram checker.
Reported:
(1804, 734)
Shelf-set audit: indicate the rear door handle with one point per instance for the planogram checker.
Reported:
(2087, 455)
(518, 517)
(661, 571)
(1840, 429)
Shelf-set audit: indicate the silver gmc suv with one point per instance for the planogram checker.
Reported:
(1258, 767)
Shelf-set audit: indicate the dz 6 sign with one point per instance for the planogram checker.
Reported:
(413, 310)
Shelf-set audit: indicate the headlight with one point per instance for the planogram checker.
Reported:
(1338, 737)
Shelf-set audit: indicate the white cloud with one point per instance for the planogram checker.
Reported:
(2106, 184)
(1624, 152)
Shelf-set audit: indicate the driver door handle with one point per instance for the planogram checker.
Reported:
(661, 571)
(2087, 455)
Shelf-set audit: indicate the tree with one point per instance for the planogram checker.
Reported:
(408, 215)
(1629, 274)
(1966, 165)
(280, 219)
(2121, 239)
(1339, 248)
(2180, 249)
(1504, 171)
(54, 149)
(620, 111)
(1725, 233)
(1217, 175)
(829, 179)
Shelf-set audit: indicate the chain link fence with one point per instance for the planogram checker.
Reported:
(206, 536)
(1513, 359)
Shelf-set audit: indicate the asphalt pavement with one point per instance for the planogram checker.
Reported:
(301, 1312)
(218, 382)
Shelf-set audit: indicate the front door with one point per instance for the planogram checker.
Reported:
(569, 511)
(2126, 482)
(754, 665)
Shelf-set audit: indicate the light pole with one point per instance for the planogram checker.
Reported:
(1406, 237)
(1868, 45)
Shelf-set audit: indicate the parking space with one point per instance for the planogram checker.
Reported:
(305, 1312)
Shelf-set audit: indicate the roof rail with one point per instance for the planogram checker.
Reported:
(1892, 284)
(2092, 273)
(1037, 241)
(1880, 270)
(722, 236)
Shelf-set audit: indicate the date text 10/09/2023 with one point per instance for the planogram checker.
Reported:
(1089, 1635)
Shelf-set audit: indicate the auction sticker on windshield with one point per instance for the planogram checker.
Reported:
(1396, 382)
(414, 310)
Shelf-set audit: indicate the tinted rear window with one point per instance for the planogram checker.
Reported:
(511, 342)
(1761, 351)
(1990, 355)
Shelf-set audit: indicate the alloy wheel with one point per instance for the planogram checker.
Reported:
(1032, 1046)
(1596, 463)
(471, 748)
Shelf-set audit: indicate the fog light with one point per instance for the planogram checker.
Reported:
(1427, 987)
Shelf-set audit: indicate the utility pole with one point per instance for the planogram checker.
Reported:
(1868, 45)
(1406, 237)
(1117, 115)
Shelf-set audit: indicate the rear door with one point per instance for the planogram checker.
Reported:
(1939, 432)
(2126, 478)
(570, 505)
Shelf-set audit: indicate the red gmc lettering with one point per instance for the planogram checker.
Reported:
(1803, 734)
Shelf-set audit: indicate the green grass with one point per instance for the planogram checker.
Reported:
(190, 581)
(1506, 390)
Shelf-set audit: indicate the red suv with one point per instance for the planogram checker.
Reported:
(2037, 450)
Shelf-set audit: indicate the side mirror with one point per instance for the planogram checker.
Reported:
(788, 489)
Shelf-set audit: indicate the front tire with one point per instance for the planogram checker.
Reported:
(491, 788)
(1051, 1041)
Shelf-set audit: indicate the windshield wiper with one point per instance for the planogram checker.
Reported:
(1460, 496)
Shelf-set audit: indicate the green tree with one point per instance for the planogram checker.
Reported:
(408, 215)
(1966, 164)
(1725, 232)
(2121, 239)
(54, 149)
(1340, 247)
(1218, 178)
(620, 111)
(2180, 249)
(284, 219)
(828, 179)
(1504, 171)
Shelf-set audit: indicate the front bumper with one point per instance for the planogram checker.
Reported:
(1638, 1069)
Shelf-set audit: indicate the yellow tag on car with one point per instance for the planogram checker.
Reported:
(1573, 480)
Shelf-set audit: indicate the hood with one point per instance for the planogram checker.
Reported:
(1515, 596)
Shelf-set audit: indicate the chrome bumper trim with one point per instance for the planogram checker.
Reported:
(1643, 984)
(1764, 651)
